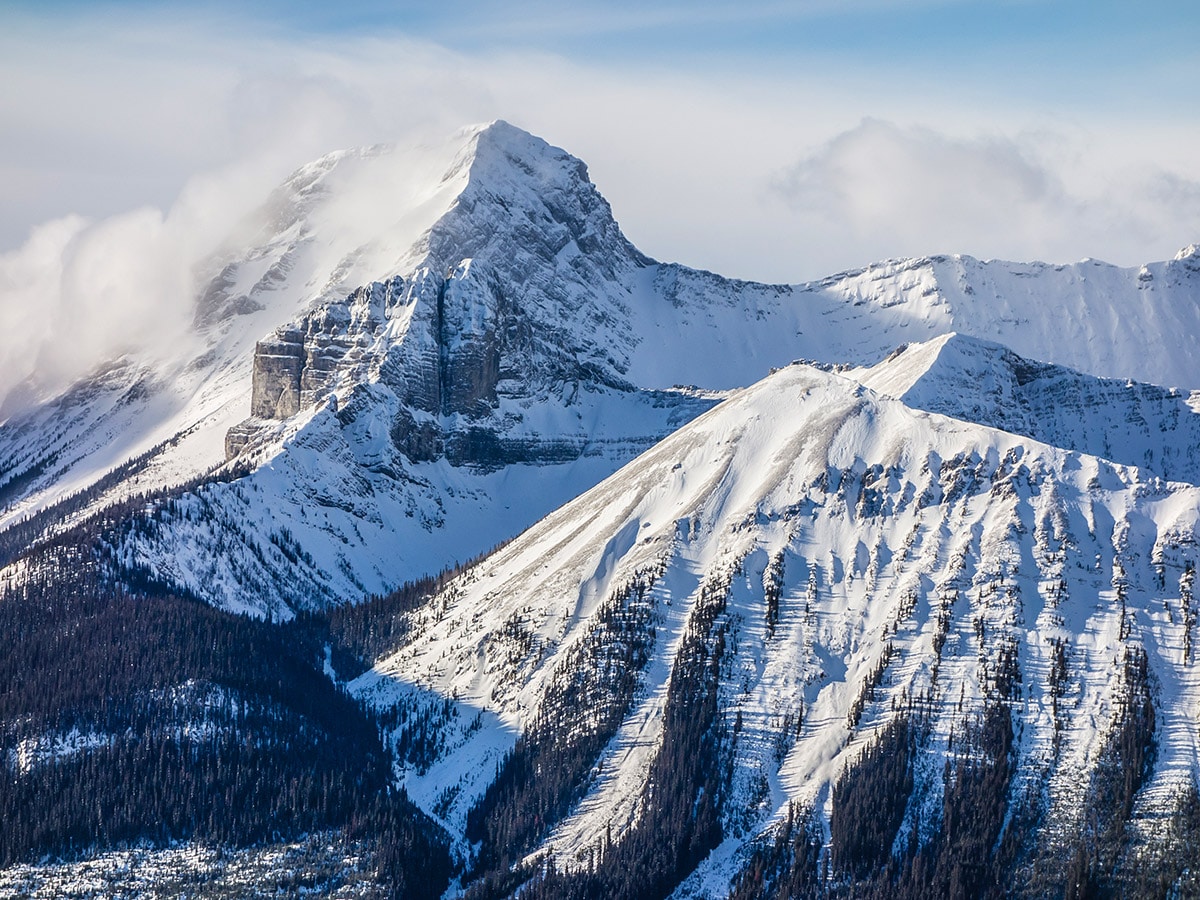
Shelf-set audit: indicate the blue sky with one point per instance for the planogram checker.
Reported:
(1072, 39)
(1077, 29)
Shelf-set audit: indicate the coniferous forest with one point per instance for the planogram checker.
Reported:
(133, 719)
(130, 716)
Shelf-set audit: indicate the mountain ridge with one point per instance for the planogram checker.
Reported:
(502, 317)
(916, 618)
(986, 383)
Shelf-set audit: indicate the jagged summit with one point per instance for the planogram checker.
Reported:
(501, 156)
(1191, 251)
(366, 214)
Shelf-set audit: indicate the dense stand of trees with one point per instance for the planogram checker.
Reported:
(548, 770)
(870, 798)
(967, 857)
(238, 788)
(142, 718)
(83, 648)
(1098, 866)
(680, 821)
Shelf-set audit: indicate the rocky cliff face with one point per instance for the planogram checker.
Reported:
(448, 350)
(279, 365)
(512, 300)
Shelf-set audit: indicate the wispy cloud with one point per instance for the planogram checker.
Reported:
(140, 140)
(894, 191)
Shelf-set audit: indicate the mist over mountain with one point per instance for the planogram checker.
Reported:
(587, 575)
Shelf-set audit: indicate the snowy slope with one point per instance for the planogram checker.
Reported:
(866, 554)
(468, 321)
(980, 381)
(333, 511)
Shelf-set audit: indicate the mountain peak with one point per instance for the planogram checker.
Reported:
(502, 135)
(511, 167)
(979, 381)
(499, 156)
(910, 370)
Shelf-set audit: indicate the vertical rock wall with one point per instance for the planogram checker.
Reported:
(278, 364)
(469, 320)
(445, 366)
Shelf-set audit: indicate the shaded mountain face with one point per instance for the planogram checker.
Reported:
(816, 598)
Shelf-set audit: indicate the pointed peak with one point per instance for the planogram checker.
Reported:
(501, 130)
(464, 148)
(502, 135)
(501, 169)
(499, 153)
(494, 155)
(956, 341)
(946, 360)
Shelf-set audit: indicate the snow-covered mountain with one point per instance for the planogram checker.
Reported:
(846, 563)
(911, 619)
(979, 381)
(436, 347)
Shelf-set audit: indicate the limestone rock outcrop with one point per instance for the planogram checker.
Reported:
(506, 304)
(278, 366)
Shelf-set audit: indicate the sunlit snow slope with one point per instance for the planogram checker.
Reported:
(845, 559)
(410, 354)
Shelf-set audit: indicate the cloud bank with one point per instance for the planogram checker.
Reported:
(893, 191)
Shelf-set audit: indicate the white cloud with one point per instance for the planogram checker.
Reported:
(77, 293)
(765, 172)
(891, 191)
